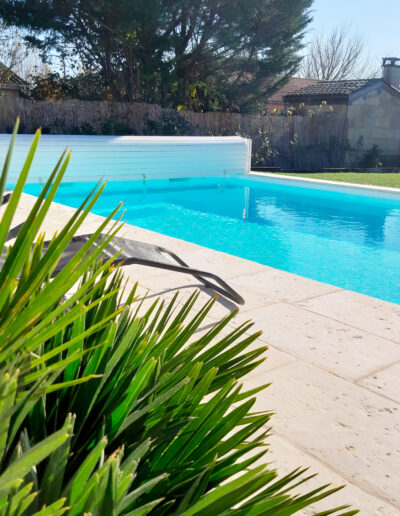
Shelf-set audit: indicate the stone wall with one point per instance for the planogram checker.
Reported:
(374, 116)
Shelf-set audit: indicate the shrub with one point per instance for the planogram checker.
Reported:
(85, 128)
(112, 126)
(104, 411)
(372, 158)
(171, 123)
(265, 148)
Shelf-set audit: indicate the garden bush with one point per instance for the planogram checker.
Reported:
(108, 408)
(372, 158)
(171, 123)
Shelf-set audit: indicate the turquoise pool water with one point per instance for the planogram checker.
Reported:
(351, 241)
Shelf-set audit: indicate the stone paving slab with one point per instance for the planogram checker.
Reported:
(288, 456)
(351, 429)
(364, 312)
(215, 261)
(385, 382)
(319, 340)
(283, 286)
(333, 360)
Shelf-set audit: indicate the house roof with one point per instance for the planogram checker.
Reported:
(7, 76)
(331, 88)
(294, 83)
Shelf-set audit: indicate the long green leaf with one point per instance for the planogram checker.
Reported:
(18, 469)
(5, 275)
(74, 486)
(55, 470)
(7, 161)
(8, 390)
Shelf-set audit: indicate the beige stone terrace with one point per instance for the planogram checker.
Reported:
(333, 360)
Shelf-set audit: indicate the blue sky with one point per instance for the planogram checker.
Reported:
(376, 21)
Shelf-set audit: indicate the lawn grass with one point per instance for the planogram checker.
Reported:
(362, 178)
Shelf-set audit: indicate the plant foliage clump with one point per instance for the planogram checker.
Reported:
(171, 123)
(108, 408)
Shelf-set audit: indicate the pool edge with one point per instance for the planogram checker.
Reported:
(324, 184)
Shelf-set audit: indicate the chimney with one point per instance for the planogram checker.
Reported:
(391, 71)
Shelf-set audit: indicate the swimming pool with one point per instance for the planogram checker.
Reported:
(348, 240)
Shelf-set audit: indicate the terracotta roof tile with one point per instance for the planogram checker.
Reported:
(326, 88)
(294, 83)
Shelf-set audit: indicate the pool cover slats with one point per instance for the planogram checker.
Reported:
(117, 157)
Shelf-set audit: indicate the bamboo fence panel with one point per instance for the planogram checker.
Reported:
(297, 141)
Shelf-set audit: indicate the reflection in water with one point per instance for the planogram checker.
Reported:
(329, 218)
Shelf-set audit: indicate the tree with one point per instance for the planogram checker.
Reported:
(200, 54)
(15, 55)
(12, 49)
(336, 56)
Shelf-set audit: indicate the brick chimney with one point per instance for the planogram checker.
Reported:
(391, 71)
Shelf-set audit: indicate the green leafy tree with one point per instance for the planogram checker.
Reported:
(199, 54)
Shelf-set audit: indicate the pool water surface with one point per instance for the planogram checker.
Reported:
(348, 240)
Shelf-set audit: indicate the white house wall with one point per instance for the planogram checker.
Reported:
(374, 114)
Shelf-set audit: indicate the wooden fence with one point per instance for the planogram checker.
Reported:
(294, 141)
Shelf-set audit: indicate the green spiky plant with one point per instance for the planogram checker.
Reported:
(105, 410)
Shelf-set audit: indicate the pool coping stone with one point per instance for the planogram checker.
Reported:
(339, 186)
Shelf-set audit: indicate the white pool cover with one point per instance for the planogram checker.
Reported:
(132, 157)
